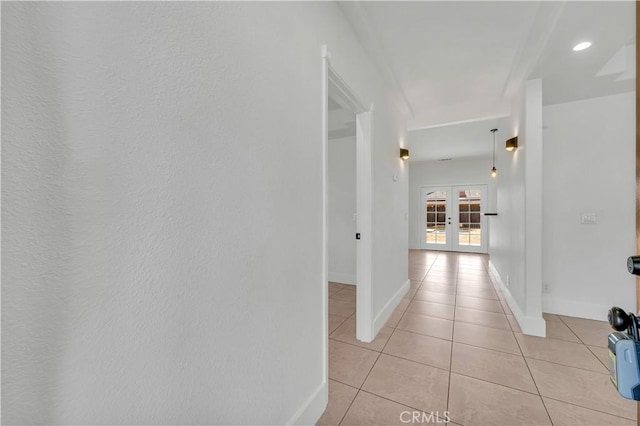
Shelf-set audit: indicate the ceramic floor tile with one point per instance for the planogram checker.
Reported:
(342, 308)
(439, 272)
(430, 326)
(340, 398)
(394, 319)
(438, 287)
(402, 306)
(480, 285)
(432, 296)
(419, 348)
(477, 292)
(559, 351)
(411, 293)
(474, 278)
(415, 284)
(348, 294)
(496, 367)
(484, 318)
(506, 308)
(440, 279)
(410, 383)
(334, 322)
(558, 330)
(437, 310)
(603, 323)
(551, 317)
(585, 388)
(476, 402)
(479, 303)
(336, 285)
(594, 335)
(349, 364)
(485, 337)
(601, 353)
(416, 276)
(333, 290)
(563, 414)
(347, 333)
(514, 324)
(368, 410)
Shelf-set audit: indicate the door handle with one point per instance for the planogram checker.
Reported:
(633, 265)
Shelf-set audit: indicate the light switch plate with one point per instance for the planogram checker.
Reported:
(588, 218)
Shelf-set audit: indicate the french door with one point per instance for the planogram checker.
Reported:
(452, 218)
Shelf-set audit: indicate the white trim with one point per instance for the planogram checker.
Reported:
(573, 308)
(313, 407)
(532, 326)
(455, 123)
(338, 277)
(325, 202)
(364, 208)
(392, 304)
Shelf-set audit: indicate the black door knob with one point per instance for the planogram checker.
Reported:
(633, 265)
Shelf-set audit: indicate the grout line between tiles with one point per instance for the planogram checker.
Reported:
(349, 407)
(588, 408)
(453, 332)
(534, 380)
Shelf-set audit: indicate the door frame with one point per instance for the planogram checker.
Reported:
(448, 209)
(452, 234)
(332, 83)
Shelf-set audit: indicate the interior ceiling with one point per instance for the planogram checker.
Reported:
(471, 139)
(457, 62)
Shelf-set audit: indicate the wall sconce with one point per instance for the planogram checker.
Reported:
(512, 144)
(404, 153)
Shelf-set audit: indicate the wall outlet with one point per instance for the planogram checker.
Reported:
(546, 288)
(508, 280)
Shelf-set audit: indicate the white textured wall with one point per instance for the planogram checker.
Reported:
(342, 206)
(589, 167)
(161, 206)
(463, 171)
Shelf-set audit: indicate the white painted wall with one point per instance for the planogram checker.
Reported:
(589, 167)
(516, 244)
(462, 171)
(342, 206)
(162, 210)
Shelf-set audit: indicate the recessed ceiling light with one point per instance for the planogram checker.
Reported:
(581, 46)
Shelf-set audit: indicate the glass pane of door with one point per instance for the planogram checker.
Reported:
(469, 224)
(436, 218)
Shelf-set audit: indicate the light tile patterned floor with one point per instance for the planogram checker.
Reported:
(454, 349)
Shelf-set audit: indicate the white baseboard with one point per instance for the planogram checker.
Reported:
(313, 407)
(338, 277)
(382, 317)
(532, 326)
(572, 308)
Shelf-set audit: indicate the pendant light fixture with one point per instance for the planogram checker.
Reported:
(494, 171)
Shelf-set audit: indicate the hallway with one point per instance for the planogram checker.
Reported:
(453, 350)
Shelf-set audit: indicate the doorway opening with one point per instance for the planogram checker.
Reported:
(452, 218)
(336, 93)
